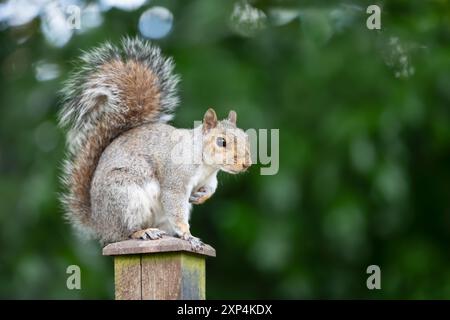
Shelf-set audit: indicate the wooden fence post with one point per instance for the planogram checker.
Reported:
(164, 269)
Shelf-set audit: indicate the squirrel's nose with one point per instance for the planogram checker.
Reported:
(245, 165)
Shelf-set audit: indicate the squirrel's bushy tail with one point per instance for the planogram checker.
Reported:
(113, 90)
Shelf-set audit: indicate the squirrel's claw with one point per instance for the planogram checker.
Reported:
(199, 196)
(148, 234)
(196, 243)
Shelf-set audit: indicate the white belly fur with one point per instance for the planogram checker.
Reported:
(150, 213)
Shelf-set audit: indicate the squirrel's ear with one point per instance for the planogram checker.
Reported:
(209, 120)
(232, 117)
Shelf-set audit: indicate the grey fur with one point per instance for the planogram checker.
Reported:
(80, 114)
(77, 114)
(125, 161)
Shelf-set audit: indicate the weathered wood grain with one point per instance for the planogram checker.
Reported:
(127, 277)
(158, 269)
(193, 283)
(161, 275)
(166, 244)
(172, 276)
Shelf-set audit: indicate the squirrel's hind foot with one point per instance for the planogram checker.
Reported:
(195, 242)
(148, 234)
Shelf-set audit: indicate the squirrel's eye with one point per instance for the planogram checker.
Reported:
(221, 142)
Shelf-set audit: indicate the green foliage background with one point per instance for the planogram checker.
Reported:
(364, 173)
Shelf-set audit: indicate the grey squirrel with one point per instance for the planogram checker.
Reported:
(120, 174)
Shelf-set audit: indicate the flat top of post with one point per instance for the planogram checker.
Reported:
(165, 244)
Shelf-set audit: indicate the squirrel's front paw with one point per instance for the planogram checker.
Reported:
(195, 242)
(199, 196)
(148, 234)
